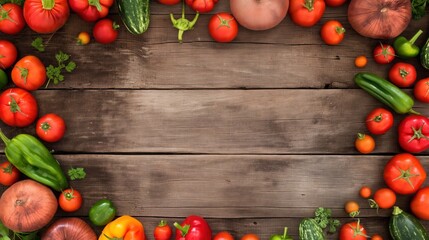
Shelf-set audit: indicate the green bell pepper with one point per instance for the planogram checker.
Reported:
(405, 48)
(281, 237)
(34, 160)
(102, 212)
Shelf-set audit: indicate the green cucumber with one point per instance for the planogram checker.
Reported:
(310, 230)
(386, 92)
(424, 55)
(404, 226)
(135, 15)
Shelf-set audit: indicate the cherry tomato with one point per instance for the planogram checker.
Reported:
(83, 38)
(50, 127)
(223, 27)
(29, 73)
(351, 208)
(361, 61)
(250, 236)
(8, 54)
(11, 18)
(421, 90)
(376, 237)
(18, 108)
(169, 2)
(383, 53)
(9, 174)
(162, 231)
(335, 3)
(105, 31)
(352, 231)
(306, 13)
(379, 121)
(224, 235)
(420, 204)
(402, 74)
(332, 32)
(384, 198)
(364, 143)
(365, 192)
(70, 200)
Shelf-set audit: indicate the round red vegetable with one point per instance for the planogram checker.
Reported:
(29, 73)
(162, 231)
(18, 108)
(384, 198)
(379, 121)
(332, 32)
(169, 2)
(9, 174)
(70, 200)
(105, 31)
(27, 206)
(413, 133)
(383, 53)
(306, 13)
(420, 204)
(421, 90)
(402, 74)
(91, 10)
(11, 18)
(46, 16)
(8, 54)
(224, 235)
(202, 6)
(223, 27)
(50, 127)
(404, 174)
(335, 3)
(352, 231)
(69, 229)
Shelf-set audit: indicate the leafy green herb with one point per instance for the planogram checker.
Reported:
(4, 232)
(323, 217)
(76, 173)
(19, 2)
(55, 73)
(38, 44)
(418, 8)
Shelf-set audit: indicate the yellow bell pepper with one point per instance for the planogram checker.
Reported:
(123, 228)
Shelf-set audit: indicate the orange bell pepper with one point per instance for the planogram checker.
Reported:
(123, 228)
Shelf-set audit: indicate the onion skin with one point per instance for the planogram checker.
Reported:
(27, 206)
(379, 19)
(69, 229)
(259, 14)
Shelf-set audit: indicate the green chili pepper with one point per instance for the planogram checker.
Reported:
(183, 24)
(405, 48)
(34, 160)
(281, 237)
(102, 212)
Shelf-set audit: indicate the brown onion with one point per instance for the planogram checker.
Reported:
(27, 206)
(69, 228)
(379, 19)
(259, 14)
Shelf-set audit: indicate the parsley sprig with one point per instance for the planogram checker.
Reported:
(55, 73)
(76, 173)
(38, 44)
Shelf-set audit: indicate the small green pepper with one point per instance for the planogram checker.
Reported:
(405, 48)
(281, 237)
(183, 24)
(102, 212)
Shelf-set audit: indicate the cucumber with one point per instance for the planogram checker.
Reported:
(135, 15)
(404, 226)
(310, 230)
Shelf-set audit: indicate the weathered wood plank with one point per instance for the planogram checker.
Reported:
(287, 56)
(213, 121)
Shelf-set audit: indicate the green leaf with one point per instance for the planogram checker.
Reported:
(70, 66)
(38, 44)
(418, 8)
(19, 2)
(76, 173)
(62, 57)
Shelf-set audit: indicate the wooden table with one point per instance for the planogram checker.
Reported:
(253, 135)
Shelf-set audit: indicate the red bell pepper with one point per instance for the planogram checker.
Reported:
(91, 10)
(193, 228)
(201, 6)
(414, 133)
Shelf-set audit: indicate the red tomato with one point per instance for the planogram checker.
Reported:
(162, 231)
(365, 192)
(83, 38)
(223, 27)
(169, 2)
(376, 237)
(18, 108)
(224, 235)
(404, 173)
(402, 74)
(352, 231)
(9, 174)
(364, 143)
(379, 121)
(306, 13)
(421, 90)
(250, 236)
(384, 198)
(335, 3)
(8, 54)
(46, 18)
(201, 6)
(332, 32)
(91, 10)
(11, 18)
(420, 204)
(383, 54)
(105, 31)
(70, 200)
(413, 132)
(50, 127)
(29, 73)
